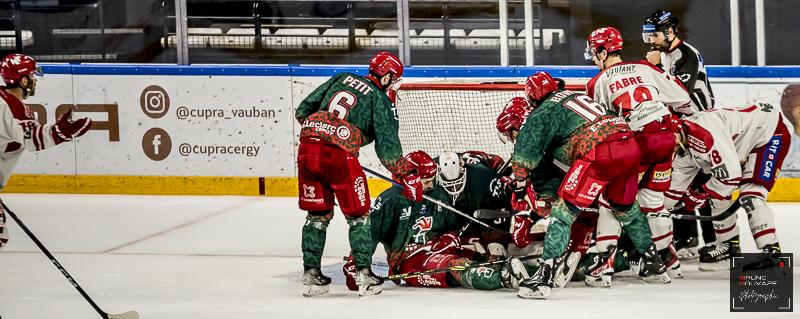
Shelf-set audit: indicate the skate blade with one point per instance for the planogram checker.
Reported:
(716, 266)
(366, 291)
(564, 273)
(314, 290)
(657, 279)
(599, 282)
(541, 293)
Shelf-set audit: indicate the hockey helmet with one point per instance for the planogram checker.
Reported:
(422, 164)
(15, 66)
(386, 63)
(452, 175)
(539, 86)
(659, 21)
(606, 38)
(511, 118)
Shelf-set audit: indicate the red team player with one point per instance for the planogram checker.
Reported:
(743, 149)
(338, 118)
(644, 95)
(19, 130)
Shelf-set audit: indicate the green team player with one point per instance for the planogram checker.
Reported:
(338, 118)
(603, 159)
(423, 236)
(545, 179)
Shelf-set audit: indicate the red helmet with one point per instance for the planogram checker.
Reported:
(15, 66)
(422, 163)
(607, 38)
(539, 86)
(512, 117)
(385, 62)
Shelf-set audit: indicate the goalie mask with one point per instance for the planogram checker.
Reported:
(452, 174)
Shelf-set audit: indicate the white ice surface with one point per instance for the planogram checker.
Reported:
(239, 257)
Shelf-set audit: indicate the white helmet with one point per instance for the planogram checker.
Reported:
(452, 175)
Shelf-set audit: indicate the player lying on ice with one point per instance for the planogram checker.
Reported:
(423, 236)
(603, 157)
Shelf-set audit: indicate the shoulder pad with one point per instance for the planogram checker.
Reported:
(699, 138)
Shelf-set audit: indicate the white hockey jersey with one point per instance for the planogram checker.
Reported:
(624, 87)
(721, 142)
(19, 131)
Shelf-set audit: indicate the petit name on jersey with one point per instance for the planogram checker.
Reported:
(357, 84)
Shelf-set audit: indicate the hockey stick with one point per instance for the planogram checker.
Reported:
(453, 268)
(722, 216)
(435, 201)
(103, 314)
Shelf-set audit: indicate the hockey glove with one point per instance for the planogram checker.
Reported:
(445, 244)
(694, 199)
(66, 129)
(412, 187)
(492, 161)
(523, 197)
(349, 270)
(521, 230)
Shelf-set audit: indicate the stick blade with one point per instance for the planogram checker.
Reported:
(125, 315)
(491, 214)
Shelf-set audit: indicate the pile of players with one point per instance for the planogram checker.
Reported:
(590, 187)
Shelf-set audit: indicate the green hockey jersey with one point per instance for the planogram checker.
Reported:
(566, 125)
(350, 111)
(403, 225)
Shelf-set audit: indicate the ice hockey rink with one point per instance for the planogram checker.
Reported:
(239, 257)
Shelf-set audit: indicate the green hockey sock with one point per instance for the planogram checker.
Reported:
(313, 241)
(634, 223)
(360, 240)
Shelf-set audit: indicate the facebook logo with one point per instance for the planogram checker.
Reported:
(156, 144)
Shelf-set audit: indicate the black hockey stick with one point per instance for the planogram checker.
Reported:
(720, 217)
(454, 268)
(435, 201)
(103, 314)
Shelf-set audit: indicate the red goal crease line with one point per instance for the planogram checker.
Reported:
(476, 87)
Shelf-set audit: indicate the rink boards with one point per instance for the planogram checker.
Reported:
(206, 129)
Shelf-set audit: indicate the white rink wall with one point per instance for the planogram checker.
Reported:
(184, 122)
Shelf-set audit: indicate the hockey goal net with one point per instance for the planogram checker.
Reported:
(455, 117)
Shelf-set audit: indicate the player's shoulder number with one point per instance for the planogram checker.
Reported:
(585, 106)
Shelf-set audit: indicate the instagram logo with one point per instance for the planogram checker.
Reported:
(156, 144)
(154, 101)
